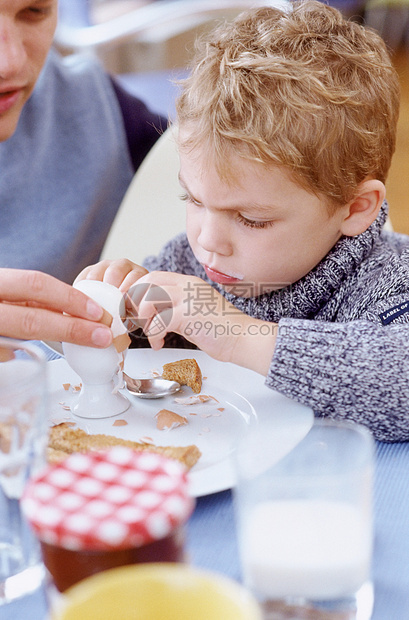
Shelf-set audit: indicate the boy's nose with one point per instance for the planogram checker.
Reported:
(12, 51)
(214, 234)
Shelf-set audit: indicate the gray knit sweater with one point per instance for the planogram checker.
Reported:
(343, 338)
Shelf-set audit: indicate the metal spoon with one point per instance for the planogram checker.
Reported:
(150, 388)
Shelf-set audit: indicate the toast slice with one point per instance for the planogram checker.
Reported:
(64, 440)
(185, 372)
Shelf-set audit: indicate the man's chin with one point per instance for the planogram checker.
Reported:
(10, 119)
(8, 128)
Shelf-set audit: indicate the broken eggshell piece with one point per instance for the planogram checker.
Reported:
(167, 420)
(100, 370)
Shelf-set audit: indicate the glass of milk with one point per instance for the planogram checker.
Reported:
(305, 522)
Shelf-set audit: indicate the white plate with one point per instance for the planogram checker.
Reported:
(240, 399)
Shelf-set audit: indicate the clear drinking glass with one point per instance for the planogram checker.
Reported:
(305, 523)
(23, 438)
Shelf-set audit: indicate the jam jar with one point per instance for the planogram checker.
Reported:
(99, 510)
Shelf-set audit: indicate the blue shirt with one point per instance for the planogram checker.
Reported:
(66, 169)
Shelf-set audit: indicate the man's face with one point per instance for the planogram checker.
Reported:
(26, 34)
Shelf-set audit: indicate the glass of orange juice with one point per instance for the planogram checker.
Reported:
(156, 591)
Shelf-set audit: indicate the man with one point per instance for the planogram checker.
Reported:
(71, 140)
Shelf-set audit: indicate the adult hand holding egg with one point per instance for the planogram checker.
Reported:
(37, 306)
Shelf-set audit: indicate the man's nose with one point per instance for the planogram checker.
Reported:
(12, 51)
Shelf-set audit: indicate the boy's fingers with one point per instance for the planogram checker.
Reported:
(94, 272)
(120, 273)
(132, 278)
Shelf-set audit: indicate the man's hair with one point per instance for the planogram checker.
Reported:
(304, 89)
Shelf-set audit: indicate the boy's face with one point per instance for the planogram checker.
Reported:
(259, 232)
(26, 34)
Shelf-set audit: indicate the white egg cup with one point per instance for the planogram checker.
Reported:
(100, 370)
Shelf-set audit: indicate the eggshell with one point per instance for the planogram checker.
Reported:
(106, 295)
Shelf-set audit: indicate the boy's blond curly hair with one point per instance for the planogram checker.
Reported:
(304, 89)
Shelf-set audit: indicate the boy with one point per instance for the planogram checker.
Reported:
(286, 131)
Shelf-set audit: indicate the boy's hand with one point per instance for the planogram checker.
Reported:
(33, 306)
(203, 316)
(121, 273)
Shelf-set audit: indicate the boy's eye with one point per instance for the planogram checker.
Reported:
(188, 198)
(241, 219)
(254, 223)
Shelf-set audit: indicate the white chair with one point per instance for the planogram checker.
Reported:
(153, 36)
(151, 212)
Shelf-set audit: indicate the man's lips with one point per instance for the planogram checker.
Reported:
(220, 278)
(8, 99)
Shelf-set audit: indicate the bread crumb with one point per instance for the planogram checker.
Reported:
(120, 423)
(74, 388)
(65, 420)
(193, 400)
(147, 440)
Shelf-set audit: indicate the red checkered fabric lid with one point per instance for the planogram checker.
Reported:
(116, 499)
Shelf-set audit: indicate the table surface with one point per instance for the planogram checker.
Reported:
(212, 541)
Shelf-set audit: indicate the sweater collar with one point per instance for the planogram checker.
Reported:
(307, 296)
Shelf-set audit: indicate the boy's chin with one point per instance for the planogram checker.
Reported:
(247, 290)
(241, 289)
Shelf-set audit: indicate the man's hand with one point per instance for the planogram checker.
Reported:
(36, 306)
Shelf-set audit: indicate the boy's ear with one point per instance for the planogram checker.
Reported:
(363, 208)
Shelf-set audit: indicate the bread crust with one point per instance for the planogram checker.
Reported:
(65, 440)
(185, 372)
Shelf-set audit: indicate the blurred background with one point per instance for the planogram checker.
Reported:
(148, 44)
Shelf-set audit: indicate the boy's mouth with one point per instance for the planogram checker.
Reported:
(220, 278)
